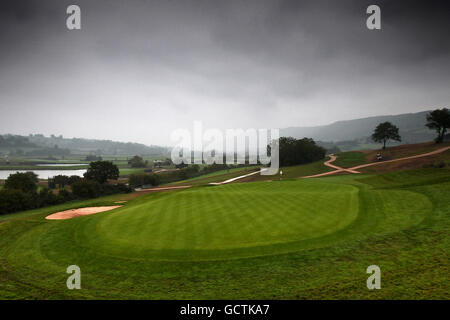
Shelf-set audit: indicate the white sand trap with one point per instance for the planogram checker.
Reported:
(69, 214)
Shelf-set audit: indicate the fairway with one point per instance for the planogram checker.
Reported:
(258, 240)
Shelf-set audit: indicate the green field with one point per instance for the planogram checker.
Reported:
(216, 176)
(350, 159)
(291, 239)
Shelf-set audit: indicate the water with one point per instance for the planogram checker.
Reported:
(61, 164)
(44, 174)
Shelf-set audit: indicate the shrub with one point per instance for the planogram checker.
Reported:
(46, 198)
(65, 195)
(137, 162)
(108, 189)
(85, 189)
(299, 151)
(25, 182)
(143, 179)
(73, 179)
(12, 200)
(101, 171)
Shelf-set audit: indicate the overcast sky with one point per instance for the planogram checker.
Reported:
(137, 70)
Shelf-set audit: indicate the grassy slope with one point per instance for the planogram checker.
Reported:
(402, 226)
(350, 159)
(217, 176)
(353, 158)
(293, 172)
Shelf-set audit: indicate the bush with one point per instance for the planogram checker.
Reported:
(101, 171)
(299, 151)
(25, 182)
(65, 195)
(143, 179)
(86, 189)
(12, 200)
(108, 189)
(73, 179)
(137, 162)
(46, 197)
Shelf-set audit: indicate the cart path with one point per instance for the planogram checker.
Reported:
(332, 159)
(354, 169)
(161, 188)
(237, 178)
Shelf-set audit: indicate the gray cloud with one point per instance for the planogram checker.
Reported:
(139, 69)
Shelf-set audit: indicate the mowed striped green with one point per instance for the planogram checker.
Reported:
(228, 217)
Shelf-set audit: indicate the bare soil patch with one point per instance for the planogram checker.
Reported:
(72, 213)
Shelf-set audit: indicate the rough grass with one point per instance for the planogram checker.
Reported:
(292, 172)
(405, 150)
(350, 159)
(354, 158)
(304, 240)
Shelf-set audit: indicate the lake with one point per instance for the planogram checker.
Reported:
(62, 164)
(44, 174)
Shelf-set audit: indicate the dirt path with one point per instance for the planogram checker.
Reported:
(332, 159)
(162, 189)
(236, 178)
(337, 169)
(354, 169)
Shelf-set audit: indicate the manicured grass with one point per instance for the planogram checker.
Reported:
(299, 239)
(217, 176)
(305, 170)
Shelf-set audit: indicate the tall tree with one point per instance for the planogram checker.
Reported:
(137, 162)
(384, 132)
(298, 151)
(25, 182)
(101, 171)
(439, 120)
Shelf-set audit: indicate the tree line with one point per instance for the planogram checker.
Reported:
(21, 191)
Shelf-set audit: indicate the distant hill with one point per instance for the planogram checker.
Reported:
(352, 134)
(40, 145)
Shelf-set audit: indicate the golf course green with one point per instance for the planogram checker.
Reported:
(291, 239)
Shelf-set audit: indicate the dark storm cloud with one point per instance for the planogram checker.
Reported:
(151, 66)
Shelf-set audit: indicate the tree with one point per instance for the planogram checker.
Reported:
(25, 182)
(384, 132)
(137, 162)
(93, 157)
(12, 200)
(142, 179)
(439, 120)
(61, 180)
(101, 171)
(298, 151)
(86, 189)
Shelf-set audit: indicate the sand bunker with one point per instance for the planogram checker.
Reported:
(69, 214)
